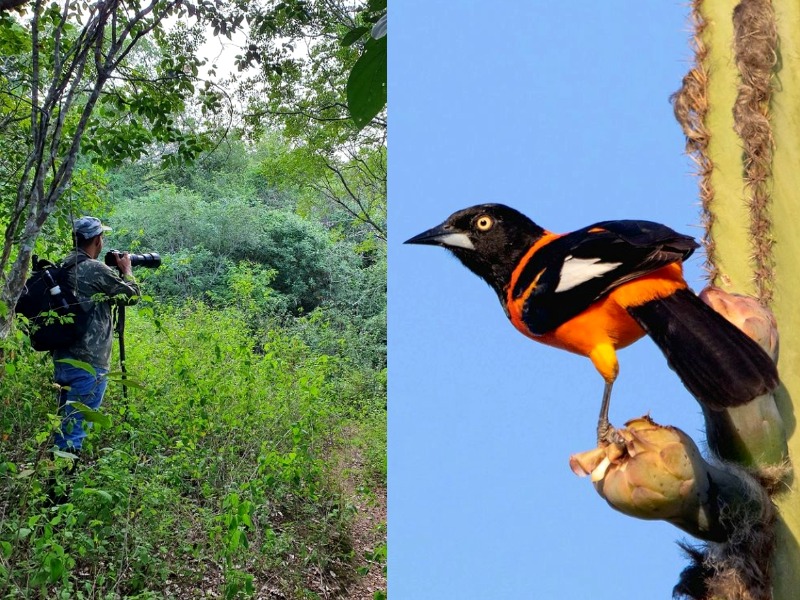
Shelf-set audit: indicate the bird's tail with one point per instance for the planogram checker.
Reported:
(718, 363)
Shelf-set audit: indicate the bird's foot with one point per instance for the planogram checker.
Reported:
(607, 434)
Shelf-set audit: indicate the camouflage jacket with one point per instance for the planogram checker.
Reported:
(98, 287)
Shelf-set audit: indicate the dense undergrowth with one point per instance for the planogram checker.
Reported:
(218, 473)
(255, 418)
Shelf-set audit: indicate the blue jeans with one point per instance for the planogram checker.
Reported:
(85, 388)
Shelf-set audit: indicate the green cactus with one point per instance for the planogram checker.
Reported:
(741, 115)
(739, 107)
(740, 110)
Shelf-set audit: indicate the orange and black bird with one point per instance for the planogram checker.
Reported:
(601, 288)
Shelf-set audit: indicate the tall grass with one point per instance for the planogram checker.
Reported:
(219, 472)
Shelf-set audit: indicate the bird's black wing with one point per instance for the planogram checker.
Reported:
(564, 277)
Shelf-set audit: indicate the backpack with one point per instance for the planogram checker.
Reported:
(55, 316)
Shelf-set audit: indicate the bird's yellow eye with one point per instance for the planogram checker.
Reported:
(484, 223)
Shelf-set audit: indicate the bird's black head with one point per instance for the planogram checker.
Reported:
(489, 239)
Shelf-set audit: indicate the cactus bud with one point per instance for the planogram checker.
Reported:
(747, 314)
(658, 473)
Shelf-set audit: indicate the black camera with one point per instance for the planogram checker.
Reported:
(148, 260)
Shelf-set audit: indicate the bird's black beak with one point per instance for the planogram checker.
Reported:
(431, 237)
(443, 235)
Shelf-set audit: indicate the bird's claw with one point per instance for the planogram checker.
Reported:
(608, 435)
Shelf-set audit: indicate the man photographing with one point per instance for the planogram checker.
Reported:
(97, 287)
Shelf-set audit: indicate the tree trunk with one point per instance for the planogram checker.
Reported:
(66, 85)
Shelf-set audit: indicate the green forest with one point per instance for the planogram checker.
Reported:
(241, 452)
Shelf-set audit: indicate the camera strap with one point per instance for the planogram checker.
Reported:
(120, 327)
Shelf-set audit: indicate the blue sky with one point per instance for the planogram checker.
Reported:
(561, 110)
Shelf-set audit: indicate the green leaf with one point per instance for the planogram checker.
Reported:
(79, 364)
(366, 85)
(353, 35)
(63, 454)
(95, 492)
(379, 30)
(91, 415)
(126, 381)
(56, 566)
(5, 549)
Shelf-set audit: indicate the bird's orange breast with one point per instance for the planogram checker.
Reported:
(607, 320)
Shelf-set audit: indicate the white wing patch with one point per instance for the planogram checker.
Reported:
(576, 271)
(458, 240)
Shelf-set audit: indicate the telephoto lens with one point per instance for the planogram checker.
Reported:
(148, 260)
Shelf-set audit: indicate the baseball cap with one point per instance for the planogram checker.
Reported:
(88, 227)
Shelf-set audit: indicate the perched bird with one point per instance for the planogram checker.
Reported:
(601, 288)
